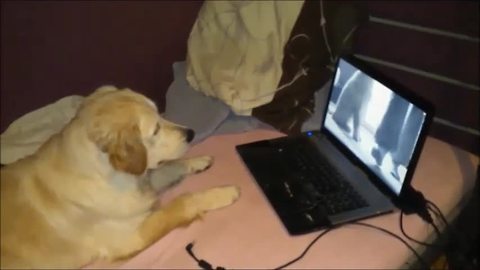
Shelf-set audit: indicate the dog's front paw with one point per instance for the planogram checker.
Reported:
(216, 198)
(199, 164)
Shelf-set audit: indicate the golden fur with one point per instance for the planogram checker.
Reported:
(84, 195)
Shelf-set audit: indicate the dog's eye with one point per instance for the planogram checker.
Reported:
(157, 129)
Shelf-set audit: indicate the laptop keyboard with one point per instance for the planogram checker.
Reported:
(321, 182)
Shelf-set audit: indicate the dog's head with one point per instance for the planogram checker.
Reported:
(126, 126)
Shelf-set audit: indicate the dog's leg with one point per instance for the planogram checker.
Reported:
(180, 212)
(173, 172)
(197, 164)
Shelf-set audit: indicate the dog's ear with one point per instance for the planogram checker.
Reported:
(124, 147)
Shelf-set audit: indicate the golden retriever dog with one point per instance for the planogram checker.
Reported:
(86, 194)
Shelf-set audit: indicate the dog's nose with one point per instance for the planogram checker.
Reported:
(190, 135)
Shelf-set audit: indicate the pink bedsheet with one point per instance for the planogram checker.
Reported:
(249, 235)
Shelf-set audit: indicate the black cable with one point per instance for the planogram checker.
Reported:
(421, 206)
(422, 212)
(435, 227)
(438, 212)
(207, 266)
(306, 249)
(415, 240)
(457, 249)
(420, 259)
(202, 263)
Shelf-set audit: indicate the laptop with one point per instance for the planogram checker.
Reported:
(358, 165)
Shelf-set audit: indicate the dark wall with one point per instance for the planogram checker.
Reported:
(431, 47)
(51, 49)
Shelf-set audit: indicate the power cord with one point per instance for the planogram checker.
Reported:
(420, 259)
(456, 249)
(416, 204)
(306, 249)
(415, 240)
(207, 266)
(202, 263)
(436, 210)
(456, 246)
(354, 223)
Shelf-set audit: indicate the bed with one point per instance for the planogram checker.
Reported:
(248, 234)
(51, 50)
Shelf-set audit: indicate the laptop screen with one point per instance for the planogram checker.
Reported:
(378, 126)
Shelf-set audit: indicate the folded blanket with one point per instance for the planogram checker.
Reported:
(235, 50)
(25, 135)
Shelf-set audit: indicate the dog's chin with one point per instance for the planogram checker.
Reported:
(182, 151)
